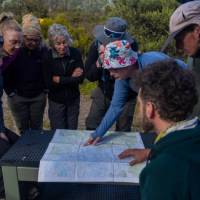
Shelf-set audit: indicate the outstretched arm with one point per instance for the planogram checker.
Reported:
(119, 99)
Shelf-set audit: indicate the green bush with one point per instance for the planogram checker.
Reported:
(147, 20)
(87, 87)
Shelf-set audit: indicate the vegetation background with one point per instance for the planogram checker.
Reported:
(147, 20)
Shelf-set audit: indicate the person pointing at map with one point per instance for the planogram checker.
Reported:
(123, 64)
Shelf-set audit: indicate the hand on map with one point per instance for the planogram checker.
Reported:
(92, 141)
(140, 155)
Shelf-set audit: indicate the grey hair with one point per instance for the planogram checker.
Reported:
(56, 30)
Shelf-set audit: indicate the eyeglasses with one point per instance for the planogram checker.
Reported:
(112, 34)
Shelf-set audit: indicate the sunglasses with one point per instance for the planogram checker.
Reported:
(112, 34)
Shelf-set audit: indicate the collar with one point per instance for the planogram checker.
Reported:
(182, 125)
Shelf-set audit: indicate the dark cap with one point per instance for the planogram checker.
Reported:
(116, 25)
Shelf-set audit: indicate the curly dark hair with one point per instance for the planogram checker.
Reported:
(170, 88)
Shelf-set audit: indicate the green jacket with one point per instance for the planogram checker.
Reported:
(173, 171)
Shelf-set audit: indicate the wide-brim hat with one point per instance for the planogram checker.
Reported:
(119, 54)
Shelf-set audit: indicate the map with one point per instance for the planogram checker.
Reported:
(67, 160)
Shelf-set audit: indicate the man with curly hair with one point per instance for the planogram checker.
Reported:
(167, 96)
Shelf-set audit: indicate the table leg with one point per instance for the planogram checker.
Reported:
(11, 184)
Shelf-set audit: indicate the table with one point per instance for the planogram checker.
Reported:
(21, 163)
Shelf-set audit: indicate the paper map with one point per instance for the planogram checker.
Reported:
(67, 160)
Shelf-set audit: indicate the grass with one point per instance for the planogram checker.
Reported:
(87, 87)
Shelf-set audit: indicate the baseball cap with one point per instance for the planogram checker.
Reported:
(114, 29)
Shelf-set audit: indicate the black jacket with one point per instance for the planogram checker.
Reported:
(25, 76)
(68, 89)
(105, 81)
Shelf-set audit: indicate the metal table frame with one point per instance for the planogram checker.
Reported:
(12, 174)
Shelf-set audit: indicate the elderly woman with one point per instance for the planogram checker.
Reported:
(65, 75)
(11, 37)
(25, 80)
